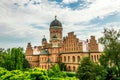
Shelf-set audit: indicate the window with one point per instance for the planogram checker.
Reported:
(60, 58)
(64, 58)
(73, 68)
(95, 57)
(45, 66)
(69, 68)
(68, 58)
(78, 58)
(92, 57)
(73, 58)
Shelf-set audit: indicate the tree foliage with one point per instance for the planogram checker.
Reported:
(62, 66)
(110, 59)
(89, 70)
(56, 72)
(12, 59)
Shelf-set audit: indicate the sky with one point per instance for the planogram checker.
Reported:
(23, 21)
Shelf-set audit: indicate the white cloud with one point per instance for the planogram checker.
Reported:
(16, 20)
(69, 1)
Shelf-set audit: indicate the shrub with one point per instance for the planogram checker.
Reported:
(70, 74)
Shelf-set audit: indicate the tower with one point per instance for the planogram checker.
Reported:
(55, 32)
(44, 41)
(29, 50)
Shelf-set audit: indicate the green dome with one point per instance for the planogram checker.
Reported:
(56, 23)
(44, 40)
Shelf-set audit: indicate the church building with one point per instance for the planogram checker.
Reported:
(69, 50)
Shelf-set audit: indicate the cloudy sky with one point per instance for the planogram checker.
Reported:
(23, 21)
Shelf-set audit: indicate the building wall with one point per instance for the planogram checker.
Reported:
(43, 61)
(95, 56)
(72, 60)
(71, 43)
(33, 60)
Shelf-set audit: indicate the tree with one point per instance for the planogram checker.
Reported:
(88, 70)
(56, 72)
(62, 66)
(12, 59)
(110, 59)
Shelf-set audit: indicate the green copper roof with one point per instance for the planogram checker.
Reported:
(44, 52)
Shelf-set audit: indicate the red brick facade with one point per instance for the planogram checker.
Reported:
(68, 50)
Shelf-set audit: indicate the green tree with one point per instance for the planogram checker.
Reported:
(62, 66)
(88, 70)
(110, 59)
(56, 72)
(12, 59)
(5, 59)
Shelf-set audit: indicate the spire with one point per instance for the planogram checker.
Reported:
(55, 17)
(43, 36)
(29, 45)
(44, 39)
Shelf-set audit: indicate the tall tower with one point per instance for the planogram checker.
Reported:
(55, 32)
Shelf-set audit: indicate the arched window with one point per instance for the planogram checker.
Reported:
(68, 58)
(45, 59)
(69, 69)
(74, 68)
(95, 57)
(60, 58)
(64, 58)
(78, 58)
(73, 58)
(92, 57)
(45, 66)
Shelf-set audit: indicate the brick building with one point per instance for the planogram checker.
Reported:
(69, 50)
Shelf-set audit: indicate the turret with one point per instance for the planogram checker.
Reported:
(93, 45)
(29, 50)
(44, 41)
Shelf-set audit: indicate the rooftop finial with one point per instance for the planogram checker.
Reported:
(44, 36)
(55, 16)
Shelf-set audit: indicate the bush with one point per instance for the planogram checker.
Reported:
(36, 74)
(70, 74)
(55, 72)
(30, 74)
(67, 78)
(3, 71)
